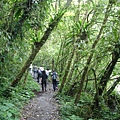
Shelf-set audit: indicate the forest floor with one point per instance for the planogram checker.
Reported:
(43, 106)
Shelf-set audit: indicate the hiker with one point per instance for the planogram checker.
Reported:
(44, 80)
(54, 77)
(48, 74)
(47, 71)
(39, 75)
(34, 71)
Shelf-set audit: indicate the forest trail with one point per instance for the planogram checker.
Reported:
(42, 107)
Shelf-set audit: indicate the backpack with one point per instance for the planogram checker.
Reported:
(39, 73)
(54, 76)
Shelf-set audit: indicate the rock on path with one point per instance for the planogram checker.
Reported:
(42, 107)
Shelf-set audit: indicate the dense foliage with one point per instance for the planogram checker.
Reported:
(81, 41)
(11, 108)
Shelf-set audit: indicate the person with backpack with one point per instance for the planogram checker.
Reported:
(44, 80)
(54, 76)
(39, 75)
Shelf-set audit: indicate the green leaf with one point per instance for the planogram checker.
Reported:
(9, 114)
(73, 117)
(4, 108)
(17, 14)
(9, 104)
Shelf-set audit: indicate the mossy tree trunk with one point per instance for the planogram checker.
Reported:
(105, 78)
(112, 88)
(64, 78)
(73, 75)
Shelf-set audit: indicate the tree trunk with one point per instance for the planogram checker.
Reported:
(25, 78)
(60, 51)
(112, 88)
(26, 66)
(64, 78)
(71, 79)
(106, 76)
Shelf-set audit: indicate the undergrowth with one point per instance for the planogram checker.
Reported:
(10, 108)
(82, 111)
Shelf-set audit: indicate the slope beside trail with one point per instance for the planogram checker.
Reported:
(42, 107)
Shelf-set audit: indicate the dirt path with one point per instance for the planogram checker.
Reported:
(42, 107)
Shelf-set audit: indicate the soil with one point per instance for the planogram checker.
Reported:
(43, 106)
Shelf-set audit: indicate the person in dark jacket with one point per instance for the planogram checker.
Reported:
(54, 76)
(44, 80)
(39, 75)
